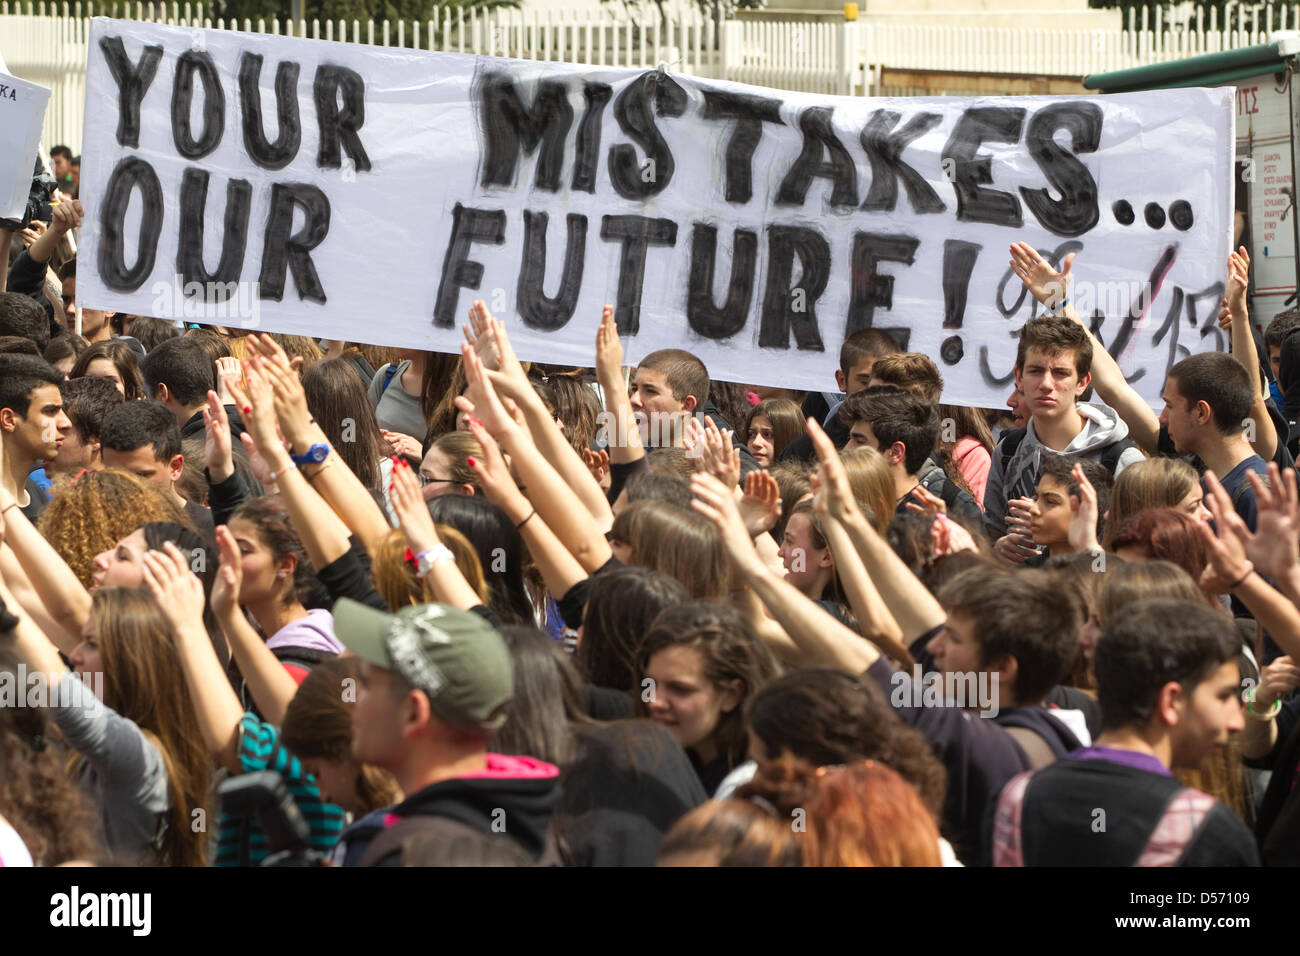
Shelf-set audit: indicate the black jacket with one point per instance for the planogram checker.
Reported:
(515, 799)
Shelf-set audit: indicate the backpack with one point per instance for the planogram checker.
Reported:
(389, 371)
(1110, 455)
(1173, 833)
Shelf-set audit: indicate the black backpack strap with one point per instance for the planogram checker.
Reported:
(1007, 447)
(1111, 454)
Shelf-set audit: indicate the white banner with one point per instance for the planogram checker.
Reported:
(371, 194)
(22, 113)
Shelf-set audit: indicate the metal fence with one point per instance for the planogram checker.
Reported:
(46, 43)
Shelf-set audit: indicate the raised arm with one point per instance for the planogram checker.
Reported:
(623, 432)
(490, 345)
(180, 596)
(323, 534)
(822, 639)
(436, 562)
(331, 479)
(54, 583)
(1052, 289)
(560, 570)
(909, 601)
(1236, 316)
(270, 684)
(551, 494)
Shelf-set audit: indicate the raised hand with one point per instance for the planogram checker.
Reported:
(716, 502)
(833, 495)
(1082, 533)
(715, 451)
(1044, 283)
(403, 446)
(256, 400)
(288, 400)
(227, 366)
(494, 474)
(1228, 564)
(412, 513)
(1238, 281)
(1274, 544)
(230, 575)
(217, 454)
(760, 505)
(478, 333)
(597, 463)
(178, 593)
(609, 350)
(481, 399)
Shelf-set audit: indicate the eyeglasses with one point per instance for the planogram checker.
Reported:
(425, 481)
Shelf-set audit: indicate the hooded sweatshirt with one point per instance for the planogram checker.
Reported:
(1101, 428)
(315, 632)
(513, 796)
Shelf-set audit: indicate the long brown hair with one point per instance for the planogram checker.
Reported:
(444, 379)
(338, 401)
(673, 540)
(95, 511)
(318, 726)
(144, 682)
(872, 483)
(785, 417)
(1153, 483)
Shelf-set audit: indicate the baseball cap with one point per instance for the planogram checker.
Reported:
(454, 656)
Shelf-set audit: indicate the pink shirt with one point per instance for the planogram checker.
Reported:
(973, 461)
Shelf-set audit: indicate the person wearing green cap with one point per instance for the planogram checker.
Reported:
(435, 684)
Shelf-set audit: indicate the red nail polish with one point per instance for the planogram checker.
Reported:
(248, 409)
(470, 459)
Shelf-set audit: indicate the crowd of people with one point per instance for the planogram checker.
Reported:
(459, 609)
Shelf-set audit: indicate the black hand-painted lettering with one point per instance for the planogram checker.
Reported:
(819, 139)
(538, 310)
(971, 173)
(884, 148)
(127, 175)
(788, 306)
(132, 83)
(869, 288)
(340, 126)
(587, 146)
(468, 226)
(214, 105)
(631, 178)
(266, 154)
(221, 284)
(703, 316)
(750, 113)
(637, 234)
(1076, 211)
(281, 250)
(511, 128)
(1138, 308)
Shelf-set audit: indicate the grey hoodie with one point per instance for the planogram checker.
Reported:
(1102, 427)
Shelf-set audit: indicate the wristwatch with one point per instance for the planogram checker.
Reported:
(315, 455)
(427, 559)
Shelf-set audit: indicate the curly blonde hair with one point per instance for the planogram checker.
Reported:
(97, 509)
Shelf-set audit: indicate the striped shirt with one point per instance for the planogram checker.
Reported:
(259, 749)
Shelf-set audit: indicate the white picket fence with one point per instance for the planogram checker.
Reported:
(46, 43)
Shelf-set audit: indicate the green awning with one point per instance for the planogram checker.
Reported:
(1211, 69)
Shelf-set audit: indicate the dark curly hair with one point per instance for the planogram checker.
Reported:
(828, 717)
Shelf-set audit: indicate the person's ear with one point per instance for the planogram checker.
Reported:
(730, 698)
(896, 453)
(288, 565)
(1020, 385)
(1204, 414)
(841, 381)
(690, 403)
(1082, 387)
(1007, 668)
(1170, 704)
(161, 393)
(416, 712)
(176, 466)
(8, 419)
(468, 490)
